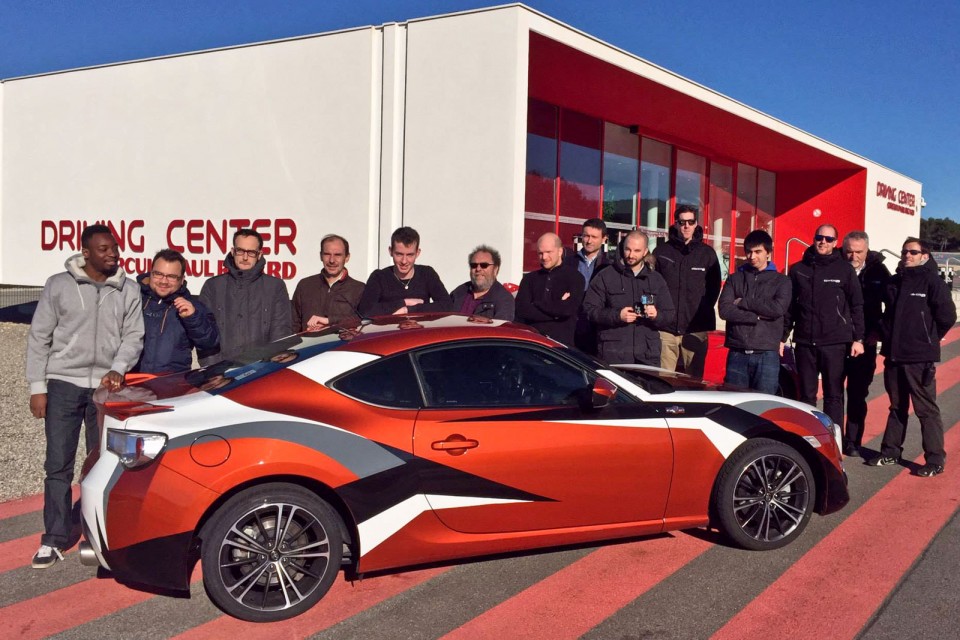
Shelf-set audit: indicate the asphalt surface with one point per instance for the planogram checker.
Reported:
(886, 566)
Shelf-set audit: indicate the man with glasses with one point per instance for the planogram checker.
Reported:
(859, 371)
(175, 323)
(692, 272)
(483, 295)
(331, 296)
(826, 317)
(250, 307)
(919, 313)
(405, 287)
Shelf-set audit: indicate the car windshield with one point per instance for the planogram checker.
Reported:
(651, 382)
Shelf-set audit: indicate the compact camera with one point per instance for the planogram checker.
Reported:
(645, 299)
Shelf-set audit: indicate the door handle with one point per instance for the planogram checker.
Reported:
(455, 444)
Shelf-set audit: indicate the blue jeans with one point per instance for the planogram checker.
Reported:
(759, 370)
(68, 406)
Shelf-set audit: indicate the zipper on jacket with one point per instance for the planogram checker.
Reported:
(926, 330)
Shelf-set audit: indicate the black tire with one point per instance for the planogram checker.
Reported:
(271, 552)
(764, 495)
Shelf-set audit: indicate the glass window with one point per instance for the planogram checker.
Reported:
(766, 200)
(716, 223)
(621, 165)
(493, 375)
(580, 165)
(691, 180)
(541, 178)
(746, 206)
(654, 188)
(390, 382)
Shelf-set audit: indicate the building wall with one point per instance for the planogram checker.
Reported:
(892, 211)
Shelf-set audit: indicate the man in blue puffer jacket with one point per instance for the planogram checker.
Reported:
(175, 323)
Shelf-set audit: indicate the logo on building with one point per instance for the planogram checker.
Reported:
(898, 199)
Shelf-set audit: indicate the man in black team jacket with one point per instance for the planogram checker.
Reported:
(548, 299)
(617, 294)
(692, 273)
(405, 287)
(826, 316)
(919, 313)
(859, 371)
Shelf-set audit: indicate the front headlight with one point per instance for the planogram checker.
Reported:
(830, 426)
(135, 449)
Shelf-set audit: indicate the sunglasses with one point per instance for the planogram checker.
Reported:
(480, 265)
(821, 238)
(911, 252)
(687, 223)
(250, 253)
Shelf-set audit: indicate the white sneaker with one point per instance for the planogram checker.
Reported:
(46, 556)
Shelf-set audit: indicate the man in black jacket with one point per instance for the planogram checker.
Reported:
(919, 313)
(826, 316)
(483, 295)
(549, 298)
(753, 303)
(590, 260)
(404, 287)
(628, 303)
(692, 272)
(859, 371)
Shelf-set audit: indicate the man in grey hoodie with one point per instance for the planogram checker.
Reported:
(87, 331)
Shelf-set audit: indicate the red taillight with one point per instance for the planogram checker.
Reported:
(124, 410)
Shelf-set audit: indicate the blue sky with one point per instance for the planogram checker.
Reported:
(880, 78)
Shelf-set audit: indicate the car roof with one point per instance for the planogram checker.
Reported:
(386, 335)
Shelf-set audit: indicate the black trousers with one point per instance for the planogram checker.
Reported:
(916, 382)
(824, 362)
(859, 372)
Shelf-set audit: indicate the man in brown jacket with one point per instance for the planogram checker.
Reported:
(331, 296)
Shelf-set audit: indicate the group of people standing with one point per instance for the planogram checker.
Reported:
(92, 324)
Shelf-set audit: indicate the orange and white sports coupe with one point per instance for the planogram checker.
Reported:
(418, 439)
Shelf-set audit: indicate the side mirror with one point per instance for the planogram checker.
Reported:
(602, 393)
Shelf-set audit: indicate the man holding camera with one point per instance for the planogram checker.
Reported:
(629, 304)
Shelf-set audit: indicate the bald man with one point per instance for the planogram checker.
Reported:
(549, 298)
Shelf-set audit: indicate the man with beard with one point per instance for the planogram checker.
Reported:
(331, 296)
(692, 272)
(859, 371)
(919, 313)
(250, 306)
(483, 295)
(629, 303)
(826, 316)
(87, 331)
(548, 299)
(174, 322)
(405, 287)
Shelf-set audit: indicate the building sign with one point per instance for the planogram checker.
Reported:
(203, 242)
(898, 199)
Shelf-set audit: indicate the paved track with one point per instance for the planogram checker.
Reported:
(887, 566)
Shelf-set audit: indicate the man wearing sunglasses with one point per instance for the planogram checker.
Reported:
(692, 272)
(919, 313)
(826, 316)
(250, 306)
(482, 294)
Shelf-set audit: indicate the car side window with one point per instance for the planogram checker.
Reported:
(390, 382)
(492, 375)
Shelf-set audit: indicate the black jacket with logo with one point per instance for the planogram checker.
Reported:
(827, 306)
(874, 278)
(692, 273)
(756, 321)
(919, 313)
(611, 291)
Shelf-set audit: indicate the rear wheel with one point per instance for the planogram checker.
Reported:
(764, 495)
(271, 552)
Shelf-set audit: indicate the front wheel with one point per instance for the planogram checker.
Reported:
(271, 552)
(764, 495)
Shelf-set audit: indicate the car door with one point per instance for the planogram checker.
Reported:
(510, 446)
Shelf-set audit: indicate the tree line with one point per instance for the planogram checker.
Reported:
(943, 234)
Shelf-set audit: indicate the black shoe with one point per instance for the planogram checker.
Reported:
(929, 470)
(47, 556)
(851, 450)
(883, 461)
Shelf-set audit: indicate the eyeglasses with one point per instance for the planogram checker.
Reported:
(687, 223)
(821, 238)
(480, 265)
(157, 275)
(911, 252)
(250, 253)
